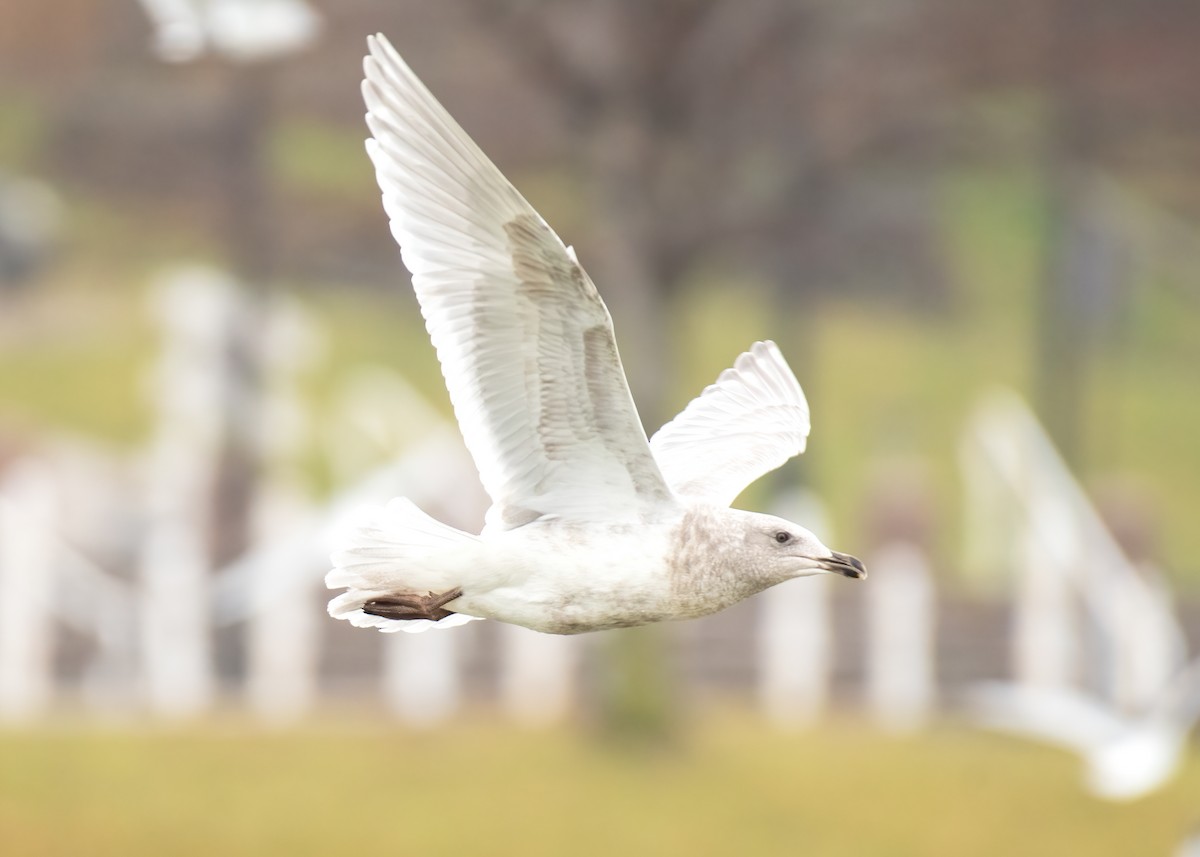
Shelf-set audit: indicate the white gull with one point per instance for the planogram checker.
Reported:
(591, 525)
(1125, 756)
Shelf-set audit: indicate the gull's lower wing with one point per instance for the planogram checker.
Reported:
(1058, 716)
(1180, 700)
(752, 420)
(525, 342)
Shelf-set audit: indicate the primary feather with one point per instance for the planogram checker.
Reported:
(525, 342)
(752, 420)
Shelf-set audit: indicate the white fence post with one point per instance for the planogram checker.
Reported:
(421, 680)
(176, 656)
(901, 680)
(1045, 631)
(795, 633)
(282, 630)
(27, 581)
(196, 309)
(537, 675)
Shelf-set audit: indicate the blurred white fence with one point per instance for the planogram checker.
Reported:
(901, 680)
(27, 567)
(795, 634)
(109, 598)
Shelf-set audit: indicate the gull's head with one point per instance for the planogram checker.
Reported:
(782, 550)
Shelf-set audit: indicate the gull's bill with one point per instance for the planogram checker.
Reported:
(845, 565)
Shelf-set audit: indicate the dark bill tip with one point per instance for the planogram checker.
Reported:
(846, 566)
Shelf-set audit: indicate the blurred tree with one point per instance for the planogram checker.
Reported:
(1111, 77)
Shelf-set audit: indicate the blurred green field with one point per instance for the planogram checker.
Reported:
(479, 788)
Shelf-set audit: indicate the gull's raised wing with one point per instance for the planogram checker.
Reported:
(752, 420)
(525, 342)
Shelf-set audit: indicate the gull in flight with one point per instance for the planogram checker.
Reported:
(1125, 757)
(591, 525)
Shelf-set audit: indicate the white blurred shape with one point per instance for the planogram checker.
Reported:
(421, 679)
(238, 30)
(283, 634)
(795, 634)
(196, 308)
(537, 674)
(253, 30)
(1066, 553)
(1153, 647)
(99, 605)
(1125, 758)
(28, 511)
(1132, 730)
(1045, 651)
(901, 681)
(176, 651)
(178, 32)
(1190, 846)
(283, 629)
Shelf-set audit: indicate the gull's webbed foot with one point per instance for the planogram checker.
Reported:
(413, 606)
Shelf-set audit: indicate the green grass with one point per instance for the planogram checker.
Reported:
(313, 158)
(478, 788)
(75, 356)
(22, 129)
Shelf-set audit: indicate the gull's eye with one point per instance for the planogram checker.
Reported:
(783, 537)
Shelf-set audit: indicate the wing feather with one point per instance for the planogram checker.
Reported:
(752, 420)
(525, 342)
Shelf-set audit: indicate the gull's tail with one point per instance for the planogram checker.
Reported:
(396, 551)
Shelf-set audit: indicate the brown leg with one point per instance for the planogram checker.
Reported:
(413, 606)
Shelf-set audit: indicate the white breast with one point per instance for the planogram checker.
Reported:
(569, 578)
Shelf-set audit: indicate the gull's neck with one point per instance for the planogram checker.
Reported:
(707, 567)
